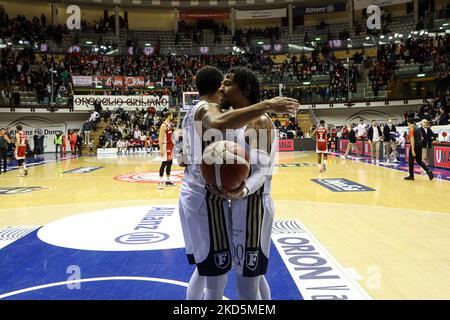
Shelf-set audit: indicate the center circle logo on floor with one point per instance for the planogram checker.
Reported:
(149, 177)
(119, 229)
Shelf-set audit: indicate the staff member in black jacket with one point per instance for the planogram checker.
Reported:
(390, 145)
(427, 140)
(374, 135)
(4, 140)
(415, 151)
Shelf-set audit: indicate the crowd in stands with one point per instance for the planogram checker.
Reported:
(135, 129)
(36, 30)
(436, 112)
(24, 71)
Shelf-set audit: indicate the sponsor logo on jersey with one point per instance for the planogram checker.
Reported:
(316, 273)
(222, 259)
(342, 185)
(82, 170)
(20, 190)
(118, 229)
(150, 177)
(251, 259)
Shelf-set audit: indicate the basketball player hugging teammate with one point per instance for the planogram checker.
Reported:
(214, 227)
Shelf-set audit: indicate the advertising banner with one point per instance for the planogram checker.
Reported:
(185, 15)
(442, 156)
(286, 145)
(86, 102)
(261, 14)
(301, 11)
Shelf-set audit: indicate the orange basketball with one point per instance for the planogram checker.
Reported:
(225, 164)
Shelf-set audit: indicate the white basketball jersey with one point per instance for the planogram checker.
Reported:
(239, 138)
(192, 152)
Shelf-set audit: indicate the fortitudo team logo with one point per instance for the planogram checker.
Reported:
(251, 259)
(149, 177)
(222, 259)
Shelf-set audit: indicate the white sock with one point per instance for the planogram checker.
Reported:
(248, 287)
(264, 289)
(215, 287)
(196, 288)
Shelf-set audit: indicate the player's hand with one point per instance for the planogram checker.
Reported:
(237, 194)
(413, 154)
(283, 105)
(161, 152)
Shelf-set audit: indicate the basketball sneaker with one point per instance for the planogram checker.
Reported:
(324, 167)
(169, 184)
(160, 186)
(26, 172)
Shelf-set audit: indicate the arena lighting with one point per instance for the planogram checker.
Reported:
(9, 44)
(416, 32)
(148, 44)
(391, 37)
(367, 38)
(400, 35)
(445, 25)
(396, 35)
(260, 42)
(440, 28)
(20, 42)
(421, 75)
(88, 42)
(318, 39)
(421, 32)
(307, 82)
(382, 37)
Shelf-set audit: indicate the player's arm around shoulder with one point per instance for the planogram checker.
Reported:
(260, 134)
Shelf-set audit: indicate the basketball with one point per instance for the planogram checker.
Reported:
(225, 165)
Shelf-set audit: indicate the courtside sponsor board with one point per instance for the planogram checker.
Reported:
(83, 170)
(316, 273)
(442, 157)
(342, 185)
(286, 145)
